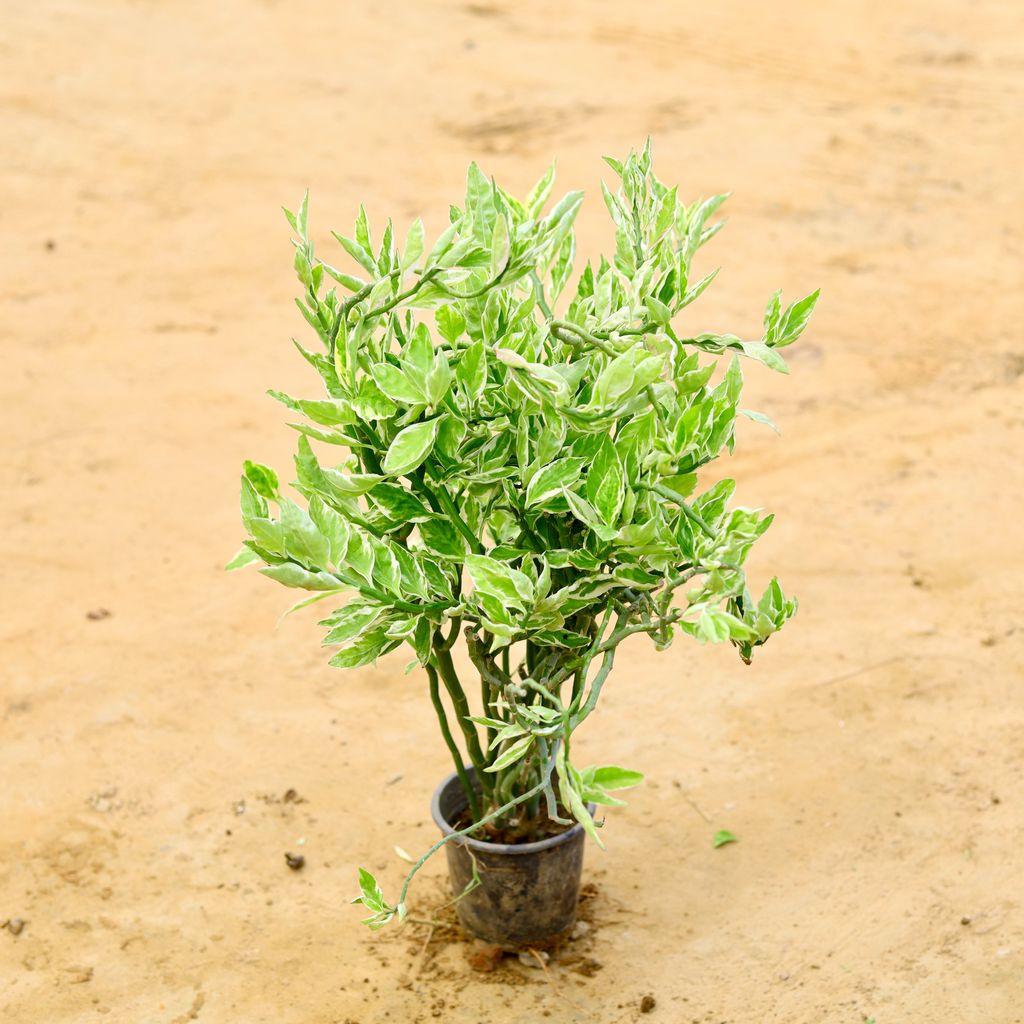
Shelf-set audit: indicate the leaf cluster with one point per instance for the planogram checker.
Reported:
(518, 454)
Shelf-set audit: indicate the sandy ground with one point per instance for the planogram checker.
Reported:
(152, 717)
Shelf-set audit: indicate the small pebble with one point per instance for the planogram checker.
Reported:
(294, 861)
(15, 925)
(647, 1004)
(529, 958)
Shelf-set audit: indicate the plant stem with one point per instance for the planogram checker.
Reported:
(538, 286)
(694, 517)
(402, 296)
(448, 506)
(443, 661)
(460, 768)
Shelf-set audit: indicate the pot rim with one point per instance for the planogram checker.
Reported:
(507, 849)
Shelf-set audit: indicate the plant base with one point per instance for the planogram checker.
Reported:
(527, 893)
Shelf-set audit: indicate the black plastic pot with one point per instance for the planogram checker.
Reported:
(528, 892)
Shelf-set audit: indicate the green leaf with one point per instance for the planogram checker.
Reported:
(595, 783)
(263, 479)
(373, 899)
(399, 503)
(698, 289)
(410, 447)
(359, 555)
(363, 230)
(471, 371)
(615, 380)
(572, 800)
(660, 313)
(544, 375)
(538, 195)
(418, 356)
(551, 479)
(328, 412)
(722, 838)
(763, 354)
(413, 244)
(350, 621)
(387, 573)
(759, 417)
(586, 513)
(267, 533)
(243, 557)
(441, 538)
(612, 777)
(794, 320)
(499, 246)
(368, 647)
(292, 575)
(438, 379)
(606, 482)
(450, 322)
(303, 541)
(302, 268)
(332, 527)
(396, 385)
(253, 504)
(511, 754)
(500, 581)
(358, 252)
(351, 484)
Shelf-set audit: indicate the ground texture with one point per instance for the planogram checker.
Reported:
(153, 719)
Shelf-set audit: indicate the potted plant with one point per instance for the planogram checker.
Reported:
(521, 479)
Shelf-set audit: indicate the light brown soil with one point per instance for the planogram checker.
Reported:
(870, 762)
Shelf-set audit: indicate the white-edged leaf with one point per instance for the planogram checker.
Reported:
(410, 447)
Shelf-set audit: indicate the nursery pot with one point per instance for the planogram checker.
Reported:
(528, 892)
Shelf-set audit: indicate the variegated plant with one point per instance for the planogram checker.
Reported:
(519, 471)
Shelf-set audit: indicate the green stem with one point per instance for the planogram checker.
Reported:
(486, 696)
(694, 517)
(448, 506)
(561, 326)
(492, 283)
(539, 291)
(460, 768)
(402, 296)
(445, 665)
